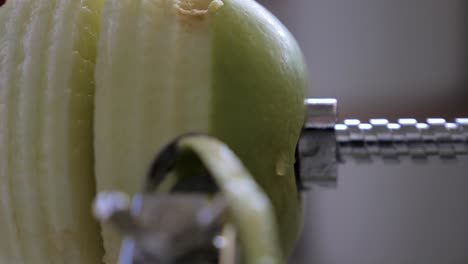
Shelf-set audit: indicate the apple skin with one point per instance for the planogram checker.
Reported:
(260, 80)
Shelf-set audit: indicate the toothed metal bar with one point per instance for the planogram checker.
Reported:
(407, 137)
(323, 143)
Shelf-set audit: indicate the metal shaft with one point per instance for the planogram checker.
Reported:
(323, 143)
(407, 137)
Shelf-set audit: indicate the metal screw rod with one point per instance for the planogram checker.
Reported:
(323, 143)
(407, 137)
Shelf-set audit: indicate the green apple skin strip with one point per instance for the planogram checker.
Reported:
(250, 208)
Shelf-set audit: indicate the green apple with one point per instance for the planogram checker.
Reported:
(69, 121)
(226, 68)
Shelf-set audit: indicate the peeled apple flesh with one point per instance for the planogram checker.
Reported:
(47, 58)
(227, 68)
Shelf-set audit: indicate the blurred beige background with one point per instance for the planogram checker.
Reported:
(386, 58)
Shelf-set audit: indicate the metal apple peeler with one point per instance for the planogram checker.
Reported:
(184, 226)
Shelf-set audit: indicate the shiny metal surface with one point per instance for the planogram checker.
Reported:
(407, 137)
(165, 228)
(321, 112)
(323, 143)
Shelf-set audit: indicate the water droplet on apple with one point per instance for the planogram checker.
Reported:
(282, 166)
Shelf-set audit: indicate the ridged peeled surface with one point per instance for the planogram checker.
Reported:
(47, 54)
(145, 95)
(233, 72)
